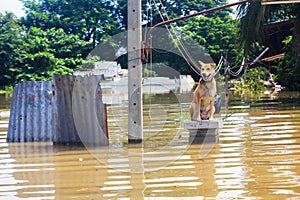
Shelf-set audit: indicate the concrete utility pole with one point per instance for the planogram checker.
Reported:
(135, 104)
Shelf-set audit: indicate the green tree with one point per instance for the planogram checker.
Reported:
(91, 20)
(172, 9)
(48, 52)
(216, 34)
(253, 16)
(58, 34)
(10, 47)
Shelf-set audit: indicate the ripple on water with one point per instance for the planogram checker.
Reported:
(257, 157)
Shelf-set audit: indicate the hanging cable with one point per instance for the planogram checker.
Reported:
(235, 73)
(179, 40)
(239, 70)
(145, 35)
(195, 68)
(220, 63)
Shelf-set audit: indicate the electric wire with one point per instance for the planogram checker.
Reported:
(189, 60)
(238, 72)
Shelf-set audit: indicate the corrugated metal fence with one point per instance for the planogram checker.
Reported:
(87, 107)
(65, 111)
(79, 112)
(64, 130)
(31, 112)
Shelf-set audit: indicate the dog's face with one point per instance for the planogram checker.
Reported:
(207, 70)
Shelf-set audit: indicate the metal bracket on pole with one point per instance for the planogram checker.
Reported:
(135, 104)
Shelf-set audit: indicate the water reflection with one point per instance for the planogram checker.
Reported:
(257, 157)
(5, 101)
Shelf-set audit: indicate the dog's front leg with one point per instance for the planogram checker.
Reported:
(212, 108)
(193, 110)
(198, 111)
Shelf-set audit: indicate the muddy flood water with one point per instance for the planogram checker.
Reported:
(257, 156)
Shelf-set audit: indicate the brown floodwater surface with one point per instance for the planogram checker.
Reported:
(257, 156)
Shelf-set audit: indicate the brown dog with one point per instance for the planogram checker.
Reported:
(202, 106)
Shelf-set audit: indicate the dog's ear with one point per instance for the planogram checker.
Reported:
(213, 65)
(201, 63)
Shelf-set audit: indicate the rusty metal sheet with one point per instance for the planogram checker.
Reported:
(63, 128)
(79, 114)
(31, 112)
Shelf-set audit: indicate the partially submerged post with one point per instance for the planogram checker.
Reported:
(134, 37)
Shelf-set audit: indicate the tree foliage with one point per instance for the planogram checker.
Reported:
(215, 34)
(254, 16)
(48, 52)
(55, 36)
(90, 20)
(10, 47)
(36, 54)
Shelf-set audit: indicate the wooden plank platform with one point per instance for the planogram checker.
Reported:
(203, 131)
